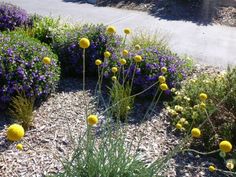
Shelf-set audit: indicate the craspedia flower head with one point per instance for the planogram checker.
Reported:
(46, 60)
(202, 105)
(202, 96)
(163, 69)
(225, 146)
(178, 126)
(162, 79)
(113, 78)
(182, 120)
(111, 29)
(137, 47)
(127, 31)
(211, 168)
(107, 54)
(15, 132)
(122, 61)
(84, 43)
(196, 132)
(19, 147)
(114, 69)
(92, 119)
(125, 52)
(138, 59)
(164, 86)
(98, 62)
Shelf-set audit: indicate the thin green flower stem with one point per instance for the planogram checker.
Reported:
(123, 44)
(84, 96)
(123, 74)
(132, 96)
(98, 85)
(201, 153)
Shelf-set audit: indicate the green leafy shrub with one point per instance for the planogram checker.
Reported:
(22, 68)
(217, 111)
(70, 53)
(21, 108)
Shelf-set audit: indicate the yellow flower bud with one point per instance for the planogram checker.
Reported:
(178, 126)
(84, 43)
(114, 69)
(225, 146)
(163, 69)
(211, 168)
(92, 120)
(122, 61)
(196, 132)
(125, 52)
(111, 29)
(113, 78)
(137, 47)
(19, 147)
(127, 31)
(98, 62)
(162, 79)
(138, 59)
(202, 96)
(46, 60)
(164, 87)
(107, 54)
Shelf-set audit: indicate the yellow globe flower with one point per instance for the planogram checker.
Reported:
(163, 69)
(125, 52)
(164, 87)
(84, 43)
(111, 29)
(202, 105)
(19, 147)
(107, 54)
(137, 47)
(225, 146)
(98, 62)
(178, 126)
(182, 120)
(211, 168)
(162, 79)
(202, 96)
(46, 60)
(122, 61)
(138, 59)
(15, 132)
(92, 120)
(113, 78)
(196, 132)
(127, 31)
(114, 69)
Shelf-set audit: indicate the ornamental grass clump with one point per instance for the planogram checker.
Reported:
(23, 68)
(12, 17)
(21, 108)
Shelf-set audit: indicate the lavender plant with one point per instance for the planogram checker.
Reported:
(12, 16)
(26, 66)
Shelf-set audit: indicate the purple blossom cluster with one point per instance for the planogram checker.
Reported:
(148, 71)
(22, 69)
(12, 16)
(70, 54)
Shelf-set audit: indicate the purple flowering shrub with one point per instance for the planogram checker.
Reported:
(148, 71)
(22, 68)
(12, 16)
(70, 54)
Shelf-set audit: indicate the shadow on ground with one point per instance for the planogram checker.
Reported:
(201, 12)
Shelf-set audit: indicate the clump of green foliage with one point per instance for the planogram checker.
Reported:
(21, 109)
(121, 100)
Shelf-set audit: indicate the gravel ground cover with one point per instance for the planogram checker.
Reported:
(62, 117)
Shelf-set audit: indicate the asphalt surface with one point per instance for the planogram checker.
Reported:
(210, 44)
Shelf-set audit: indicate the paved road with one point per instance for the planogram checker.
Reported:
(212, 44)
